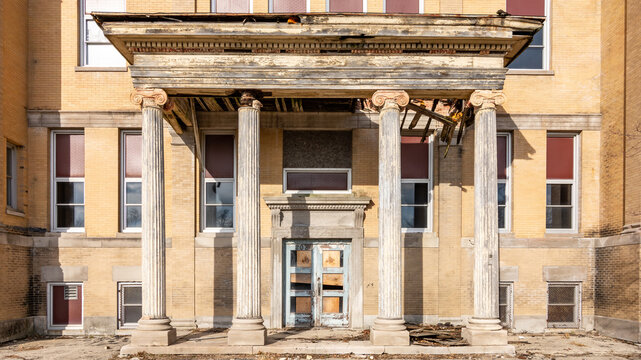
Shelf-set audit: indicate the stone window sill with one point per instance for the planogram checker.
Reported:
(15, 212)
(100, 69)
(530, 72)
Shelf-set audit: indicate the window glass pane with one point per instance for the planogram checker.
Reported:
(503, 295)
(530, 58)
(561, 294)
(219, 216)
(134, 216)
(558, 218)
(317, 181)
(414, 193)
(133, 192)
(537, 39)
(132, 314)
(559, 194)
(501, 193)
(70, 193)
(503, 314)
(104, 55)
(414, 216)
(94, 33)
(70, 216)
(219, 193)
(9, 194)
(501, 217)
(501, 154)
(414, 158)
(9, 161)
(132, 294)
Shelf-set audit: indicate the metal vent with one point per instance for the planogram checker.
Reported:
(71, 292)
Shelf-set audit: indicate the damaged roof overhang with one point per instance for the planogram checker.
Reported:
(376, 35)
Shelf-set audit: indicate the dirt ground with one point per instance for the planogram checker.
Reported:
(567, 346)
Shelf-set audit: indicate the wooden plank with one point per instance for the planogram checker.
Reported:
(333, 279)
(213, 103)
(171, 119)
(228, 104)
(331, 305)
(300, 278)
(182, 109)
(303, 305)
(303, 258)
(331, 258)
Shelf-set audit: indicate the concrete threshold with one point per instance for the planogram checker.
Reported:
(219, 346)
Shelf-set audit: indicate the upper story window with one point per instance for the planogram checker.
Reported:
(346, 6)
(12, 174)
(561, 210)
(536, 56)
(219, 183)
(289, 6)
(317, 162)
(131, 181)
(504, 160)
(403, 6)
(416, 184)
(95, 49)
(68, 181)
(231, 6)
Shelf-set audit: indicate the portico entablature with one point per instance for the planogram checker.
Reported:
(318, 55)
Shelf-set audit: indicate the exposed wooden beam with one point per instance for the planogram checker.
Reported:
(171, 119)
(194, 121)
(228, 104)
(182, 110)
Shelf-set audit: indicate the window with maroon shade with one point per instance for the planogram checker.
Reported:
(230, 6)
(345, 6)
(131, 183)
(534, 57)
(219, 185)
(402, 6)
(64, 306)
(561, 183)
(416, 183)
(503, 161)
(68, 181)
(288, 6)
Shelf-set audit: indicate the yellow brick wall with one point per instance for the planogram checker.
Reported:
(102, 197)
(528, 172)
(632, 120)
(15, 266)
(589, 183)
(365, 174)
(613, 112)
(38, 178)
(617, 282)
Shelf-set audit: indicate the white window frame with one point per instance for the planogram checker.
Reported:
(53, 189)
(123, 183)
(577, 304)
(574, 182)
(430, 189)
(507, 181)
(204, 180)
(421, 6)
(308, 6)
(212, 5)
(12, 177)
(328, 1)
(83, 16)
(121, 303)
(348, 171)
(510, 303)
(50, 325)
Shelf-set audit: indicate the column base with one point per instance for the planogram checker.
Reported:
(153, 332)
(389, 332)
(484, 332)
(247, 332)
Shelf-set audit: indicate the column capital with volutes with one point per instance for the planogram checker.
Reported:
(149, 97)
(487, 99)
(249, 98)
(390, 98)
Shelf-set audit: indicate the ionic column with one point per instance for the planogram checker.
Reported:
(247, 327)
(484, 327)
(153, 327)
(389, 326)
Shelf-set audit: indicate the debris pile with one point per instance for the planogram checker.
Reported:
(436, 335)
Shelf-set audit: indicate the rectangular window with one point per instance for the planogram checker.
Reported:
(535, 57)
(12, 185)
(416, 184)
(96, 50)
(68, 181)
(231, 6)
(564, 305)
(129, 304)
(289, 6)
(346, 6)
(131, 181)
(561, 183)
(317, 162)
(64, 305)
(219, 185)
(506, 304)
(504, 160)
(403, 6)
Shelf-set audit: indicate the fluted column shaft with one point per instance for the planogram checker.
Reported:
(486, 231)
(389, 328)
(154, 318)
(247, 327)
(248, 258)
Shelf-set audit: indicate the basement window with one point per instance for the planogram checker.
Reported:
(564, 305)
(506, 304)
(64, 306)
(129, 304)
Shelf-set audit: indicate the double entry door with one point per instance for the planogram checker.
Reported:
(316, 283)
